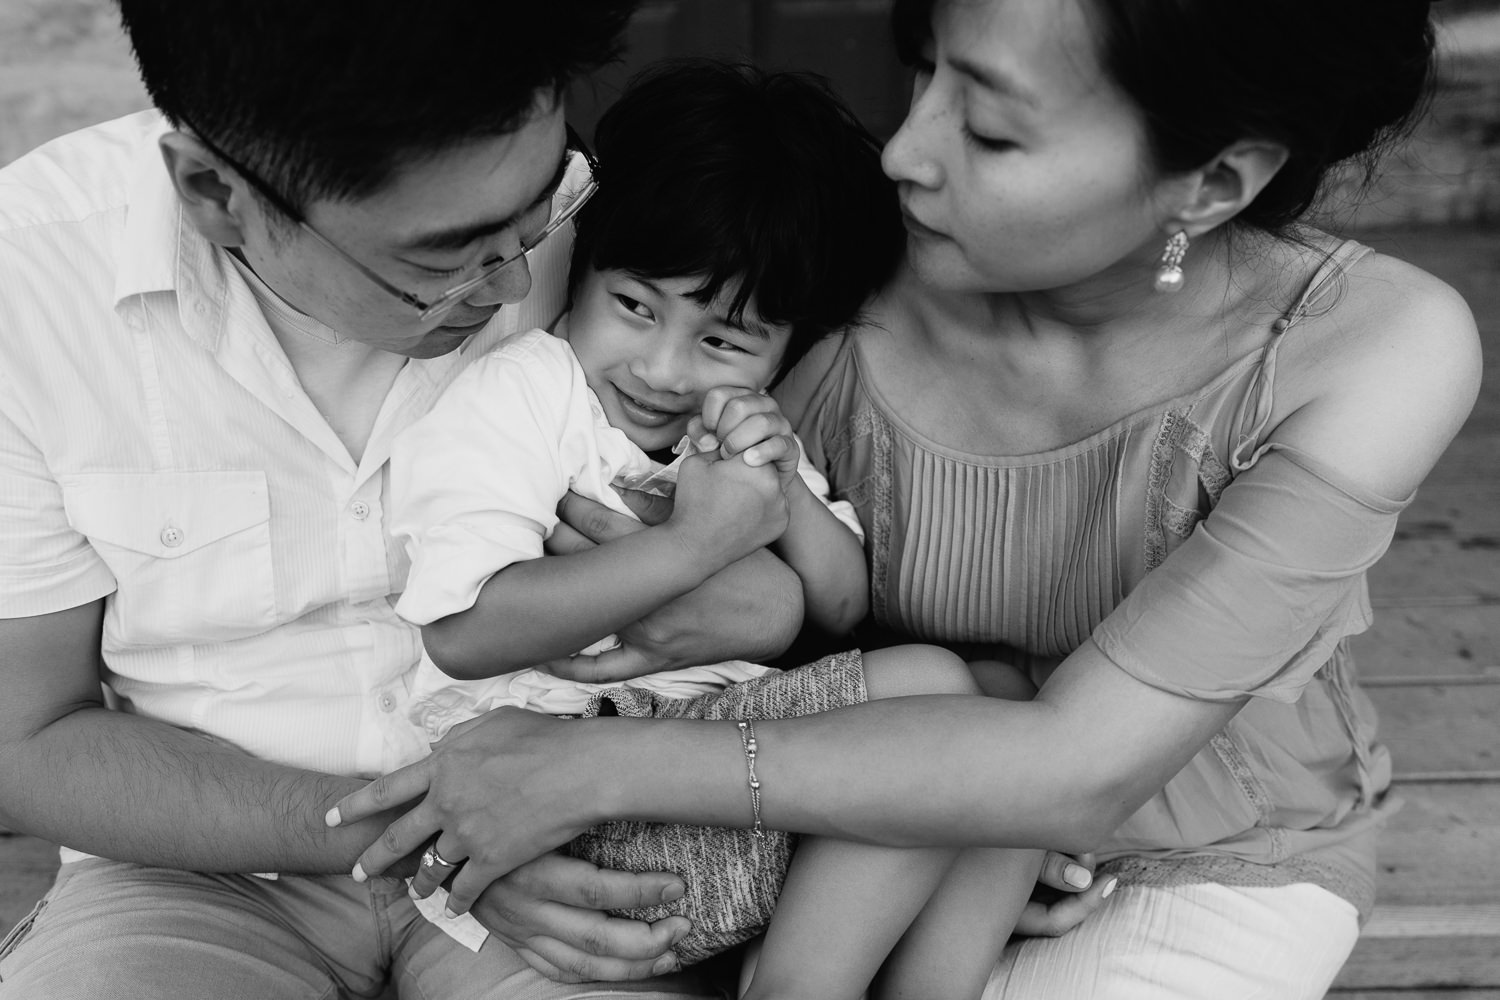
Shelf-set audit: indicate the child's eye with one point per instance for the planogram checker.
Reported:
(634, 306)
(720, 344)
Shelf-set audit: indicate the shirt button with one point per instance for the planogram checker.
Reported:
(200, 308)
(386, 703)
(359, 509)
(172, 536)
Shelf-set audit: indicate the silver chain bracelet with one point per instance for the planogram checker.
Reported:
(747, 741)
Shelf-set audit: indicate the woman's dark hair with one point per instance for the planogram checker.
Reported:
(326, 98)
(1330, 80)
(726, 173)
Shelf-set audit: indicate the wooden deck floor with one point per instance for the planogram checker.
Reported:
(1432, 663)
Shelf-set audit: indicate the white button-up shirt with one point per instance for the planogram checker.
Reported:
(157, 450)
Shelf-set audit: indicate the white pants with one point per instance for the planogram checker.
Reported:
(1190, 942)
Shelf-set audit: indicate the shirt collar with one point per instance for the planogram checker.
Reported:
(161, 251)
(146, 259)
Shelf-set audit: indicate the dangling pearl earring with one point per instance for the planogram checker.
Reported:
(1169, 271)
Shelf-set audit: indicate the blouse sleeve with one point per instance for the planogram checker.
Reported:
(1254, 602)
(475, 483)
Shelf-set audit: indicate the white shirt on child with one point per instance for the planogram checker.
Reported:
(474, 488)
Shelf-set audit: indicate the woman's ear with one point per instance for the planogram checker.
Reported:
(212, 194)
(1220, 190)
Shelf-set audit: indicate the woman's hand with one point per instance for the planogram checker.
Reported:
(1066, 895)
(492, 798)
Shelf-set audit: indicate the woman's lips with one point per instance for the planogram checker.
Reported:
(917, 228)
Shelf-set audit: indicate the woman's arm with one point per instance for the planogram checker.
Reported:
(1062, 770)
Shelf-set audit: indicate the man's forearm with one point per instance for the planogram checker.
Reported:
(133, 789)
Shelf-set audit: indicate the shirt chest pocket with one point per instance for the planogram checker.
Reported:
(190, 552)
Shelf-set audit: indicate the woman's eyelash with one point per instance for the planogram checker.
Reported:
(984, 142)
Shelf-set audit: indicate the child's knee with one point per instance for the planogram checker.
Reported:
(901, 671)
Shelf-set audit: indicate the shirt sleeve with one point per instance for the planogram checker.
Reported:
(45, 564)
(475, 483)
(1254, 602)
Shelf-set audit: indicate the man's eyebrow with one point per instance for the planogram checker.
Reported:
(458, 237)
(995, 79)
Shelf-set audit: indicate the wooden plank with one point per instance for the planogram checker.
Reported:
(1420, 642)
(1341, 994)
(1440, 728)
(1447, 545)
(1426, 963)
(1440, 847)
(1427, 946)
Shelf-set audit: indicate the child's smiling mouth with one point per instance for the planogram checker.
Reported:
(644, 413)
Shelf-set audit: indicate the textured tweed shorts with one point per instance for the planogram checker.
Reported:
(732, 877)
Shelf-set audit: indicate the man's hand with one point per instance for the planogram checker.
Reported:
(751, 610)
(551, 912)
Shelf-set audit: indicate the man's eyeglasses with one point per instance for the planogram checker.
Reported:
(562, 206)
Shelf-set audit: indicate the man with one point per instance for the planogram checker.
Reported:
(212, 324)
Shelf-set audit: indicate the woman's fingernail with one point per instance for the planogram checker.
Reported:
(1109, 887)
(665, 965)
(1078, 876)
(358, 874)
(448, 912)
(331, 817)
(672, 893)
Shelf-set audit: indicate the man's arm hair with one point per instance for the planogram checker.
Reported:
(135, 789)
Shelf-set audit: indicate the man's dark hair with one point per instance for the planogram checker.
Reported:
(728, 174)
(326, 98)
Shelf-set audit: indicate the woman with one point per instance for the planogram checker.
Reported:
(1119, 421)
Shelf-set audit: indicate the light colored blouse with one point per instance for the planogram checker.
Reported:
(1201, 559)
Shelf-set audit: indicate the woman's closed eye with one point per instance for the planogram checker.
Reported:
(990, 144)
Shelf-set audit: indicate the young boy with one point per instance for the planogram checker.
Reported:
(738, 218)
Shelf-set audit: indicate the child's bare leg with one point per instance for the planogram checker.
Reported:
(844, 905)
(949, 952)
(954, 943)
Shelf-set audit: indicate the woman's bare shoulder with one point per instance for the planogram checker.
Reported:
(1384, 378)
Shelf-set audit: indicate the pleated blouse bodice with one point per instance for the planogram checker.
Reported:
(1028, 557)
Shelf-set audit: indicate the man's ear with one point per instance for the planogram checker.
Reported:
(212, 194)
(1220, 190)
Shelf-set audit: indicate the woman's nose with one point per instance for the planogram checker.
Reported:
(910, 153)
